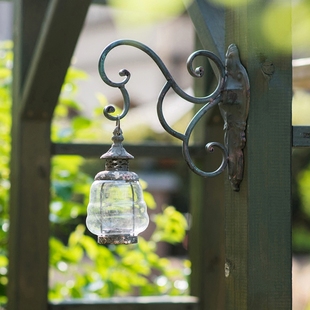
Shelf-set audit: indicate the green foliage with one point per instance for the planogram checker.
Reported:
(79, 267)
(6, 58)
(92, 270)
(170, 226)
(296, 15)
(95, 271)
(304, 190)
(140, 12)
(301, 239)
(301, 230)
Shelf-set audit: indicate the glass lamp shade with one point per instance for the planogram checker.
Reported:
(116, 212)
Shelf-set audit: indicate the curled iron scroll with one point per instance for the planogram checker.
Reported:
(207, 102)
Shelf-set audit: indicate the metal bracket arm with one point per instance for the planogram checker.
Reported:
(231, 95)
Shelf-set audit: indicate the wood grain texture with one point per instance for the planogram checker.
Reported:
(206, 247)
(131, 303)
(28, 247)
(258, 218)
(301, 136)
(52, 57)
(35, 91)
(154, 150)
(209, 23)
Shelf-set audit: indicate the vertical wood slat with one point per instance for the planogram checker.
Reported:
(130, 303)
(27, 243)
(258, 218)
(33, 106)
(207, 233)
(301, 136)
(29, 232)
(209, 23)
(52, 57)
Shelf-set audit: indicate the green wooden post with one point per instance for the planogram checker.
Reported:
(36, 89)
(258, 218)
(28, 248)
(207, 234)
(258, 227)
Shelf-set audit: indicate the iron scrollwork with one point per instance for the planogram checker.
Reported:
(231, 94)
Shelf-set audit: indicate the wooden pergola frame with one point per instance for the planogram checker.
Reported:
(247, 233)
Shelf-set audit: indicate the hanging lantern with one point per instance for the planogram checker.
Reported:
(116, 212)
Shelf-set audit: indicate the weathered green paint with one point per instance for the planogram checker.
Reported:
(28, 250)
(258, 218)
(209, 22)
(37, 83)
(52, 56)
(131, 303)
(258, 231)
(29, 225)
(258, 248)
(154, 150)
(301, 136)
(206, 237)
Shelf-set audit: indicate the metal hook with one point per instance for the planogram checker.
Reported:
(232, 95)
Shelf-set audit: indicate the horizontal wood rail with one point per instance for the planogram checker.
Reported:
(130, 303)
(300, 138)
(154, 150)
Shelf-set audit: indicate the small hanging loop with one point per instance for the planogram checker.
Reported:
(118, 122)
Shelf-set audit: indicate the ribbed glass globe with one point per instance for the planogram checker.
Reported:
(116, 212)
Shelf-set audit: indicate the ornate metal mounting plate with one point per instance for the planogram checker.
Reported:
(234, 108)
(232, 94)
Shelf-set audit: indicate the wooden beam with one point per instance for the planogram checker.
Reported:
(102, 2)
(209, 22)
(25, 285)
(258, 218)
(301, 136)
(206, 236)
(128, 303)
(52, 57)
(38, 85)
(154, 150)
(29, 213)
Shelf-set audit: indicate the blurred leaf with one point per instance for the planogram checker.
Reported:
(137, 12)
(274, 31)
(90, 270)
(90, 246)
(304, 190)
(3, 261)
(171, 226)
(229, 3)
(80, 122)
(301, 239)
(149, 200)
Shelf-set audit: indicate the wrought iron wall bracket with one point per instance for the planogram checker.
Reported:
(232, 95)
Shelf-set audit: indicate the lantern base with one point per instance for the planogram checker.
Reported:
(117, 239)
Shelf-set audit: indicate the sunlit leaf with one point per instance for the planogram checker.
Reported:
(231, 3)
(137, 12)
(275, 32)
(171, 226)
(149, 200)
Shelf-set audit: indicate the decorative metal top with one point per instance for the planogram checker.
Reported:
(228, 88)
(117, 150)
(117, 157)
